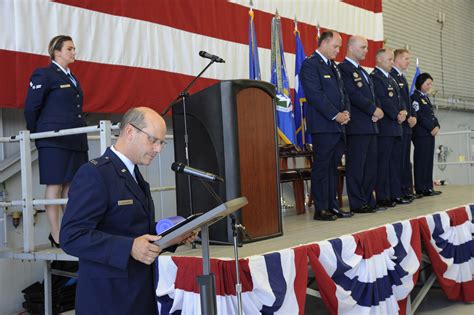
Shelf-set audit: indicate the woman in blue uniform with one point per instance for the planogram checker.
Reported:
(424, 134)
(54, 102)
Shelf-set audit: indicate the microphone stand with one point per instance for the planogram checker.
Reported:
(182, 96)
(236, 227)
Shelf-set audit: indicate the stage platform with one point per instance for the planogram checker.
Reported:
(302, 229)
(425, 295)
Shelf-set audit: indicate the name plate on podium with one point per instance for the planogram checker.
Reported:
(207, 218)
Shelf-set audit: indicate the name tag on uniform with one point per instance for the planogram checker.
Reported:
(424, 102)
(63, 86)
(125, 202)
(327, 76)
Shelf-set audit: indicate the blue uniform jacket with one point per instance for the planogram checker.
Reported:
(426, 119)
(387, 97)
(105, 212)
(324, 91)
(53, 102)
(362, 98)
(404, 98)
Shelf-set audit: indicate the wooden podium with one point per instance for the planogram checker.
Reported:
(232, 133)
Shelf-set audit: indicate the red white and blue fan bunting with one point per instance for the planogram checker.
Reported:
(448, 238)
(268, 284)
(371, 272)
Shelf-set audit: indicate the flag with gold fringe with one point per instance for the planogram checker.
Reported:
(285, 117)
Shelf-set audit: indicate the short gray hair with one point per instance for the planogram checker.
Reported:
(133, 116)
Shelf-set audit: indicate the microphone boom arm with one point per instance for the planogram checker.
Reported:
(184, 93)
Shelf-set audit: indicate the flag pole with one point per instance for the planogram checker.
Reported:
(299, 103)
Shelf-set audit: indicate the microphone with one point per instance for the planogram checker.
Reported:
(185, 169)
(214, 58)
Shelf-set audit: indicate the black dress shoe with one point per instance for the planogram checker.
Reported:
(386, 204)
(364, 209)
(324, 216)
(410, 197)
(434, 192)
(53, 242)
(379, 208)
(419, 195)
(401, 201)
(430, 192)
(341, 214)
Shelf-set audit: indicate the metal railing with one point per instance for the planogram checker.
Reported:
(469, 162)
(27, 203)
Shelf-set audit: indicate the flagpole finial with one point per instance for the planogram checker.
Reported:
(276, 14)
(296, 23)
(319, 30)
(417, 62)
(251, 4)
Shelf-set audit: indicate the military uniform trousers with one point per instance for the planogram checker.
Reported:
(361, 170)
(407, 170)
(423, 160)
(389, 163)
(328, 150)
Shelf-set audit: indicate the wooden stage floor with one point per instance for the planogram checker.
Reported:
(302, 229)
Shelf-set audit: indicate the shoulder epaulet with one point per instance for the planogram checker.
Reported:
(100, 160)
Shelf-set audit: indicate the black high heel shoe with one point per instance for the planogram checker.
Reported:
(53, 242)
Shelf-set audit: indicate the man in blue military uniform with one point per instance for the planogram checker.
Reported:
(389, 140)
(326, 115)
(109, 222)
(361, 155)
(400, 65)
(424, 135)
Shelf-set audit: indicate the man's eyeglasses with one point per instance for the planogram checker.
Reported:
(153, 140)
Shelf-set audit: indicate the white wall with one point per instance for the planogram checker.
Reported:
(460, 147)
(414, 24)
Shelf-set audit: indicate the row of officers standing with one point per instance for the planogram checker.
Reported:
(372, 119)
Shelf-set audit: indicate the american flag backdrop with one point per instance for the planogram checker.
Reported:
(144, 52)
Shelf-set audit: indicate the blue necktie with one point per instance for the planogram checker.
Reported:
(363, 72)
(139, 179)
(72, 79)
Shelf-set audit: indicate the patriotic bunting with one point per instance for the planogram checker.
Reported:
(448, 238)
(371, 272)
(269, 284)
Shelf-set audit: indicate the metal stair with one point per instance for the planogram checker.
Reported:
(11, 166)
